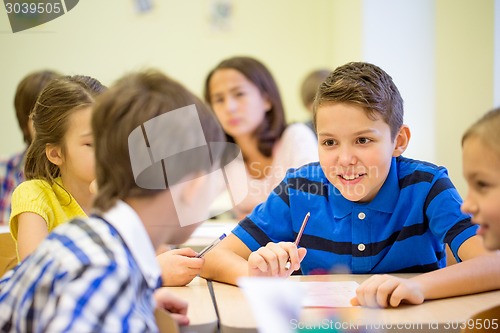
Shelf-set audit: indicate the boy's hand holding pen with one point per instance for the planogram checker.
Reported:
(278, 259)
(299, 236)
(181, 266)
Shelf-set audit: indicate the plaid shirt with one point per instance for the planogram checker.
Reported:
(11, 175)
(88, 275)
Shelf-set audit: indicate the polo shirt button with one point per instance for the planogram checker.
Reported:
(361, 247)
(361, 216)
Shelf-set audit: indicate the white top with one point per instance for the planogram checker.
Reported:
(298, 146)
(130, 227)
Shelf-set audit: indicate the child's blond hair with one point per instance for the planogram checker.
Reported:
(487, 128)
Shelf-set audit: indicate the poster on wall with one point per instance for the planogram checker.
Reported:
(143, 6)
(220, 15)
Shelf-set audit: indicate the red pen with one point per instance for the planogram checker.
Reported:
(299, 235)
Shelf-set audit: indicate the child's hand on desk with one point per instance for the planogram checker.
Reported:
(271, 259)
(386, 290)
(179, 266)
(176, 306)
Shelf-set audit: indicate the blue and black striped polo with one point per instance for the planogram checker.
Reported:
(403, 229)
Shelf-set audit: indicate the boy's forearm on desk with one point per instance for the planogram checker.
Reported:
(224, 266)
(469, 277)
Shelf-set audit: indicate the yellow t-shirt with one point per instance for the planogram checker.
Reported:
(53, 203)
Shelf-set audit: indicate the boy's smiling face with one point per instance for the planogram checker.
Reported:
(355, 152)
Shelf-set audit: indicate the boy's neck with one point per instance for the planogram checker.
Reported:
(152, 210)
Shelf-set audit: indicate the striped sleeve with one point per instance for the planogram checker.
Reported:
(442, 211)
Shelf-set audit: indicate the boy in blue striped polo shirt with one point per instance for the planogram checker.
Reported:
(101, 274)
(372, 210)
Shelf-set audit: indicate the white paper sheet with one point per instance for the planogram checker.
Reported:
(274, 301)
(328, 294)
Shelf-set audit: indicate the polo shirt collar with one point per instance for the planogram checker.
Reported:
(385, 200)
(128, 224)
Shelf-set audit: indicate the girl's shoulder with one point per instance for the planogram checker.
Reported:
(34, 188)
(33, 184)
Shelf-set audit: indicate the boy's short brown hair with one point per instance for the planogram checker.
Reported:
(129, 104)
(366, 85)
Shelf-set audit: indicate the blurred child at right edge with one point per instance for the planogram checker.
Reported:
(372, 210)
(481, 168)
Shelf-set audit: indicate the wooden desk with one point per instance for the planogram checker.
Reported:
(443, 315)
(201, 311)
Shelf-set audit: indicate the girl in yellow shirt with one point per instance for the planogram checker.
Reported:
(59, 162)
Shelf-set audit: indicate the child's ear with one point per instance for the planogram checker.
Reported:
(54, 154)
(401, 141)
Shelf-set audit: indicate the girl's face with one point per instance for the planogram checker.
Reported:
(237, 102)
(355, 152)
(481, 169)
(78, 160)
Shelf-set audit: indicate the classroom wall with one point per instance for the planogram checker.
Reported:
(346, 35)
(439, 52)
(398, 36)
(464, 75)
(108, 38)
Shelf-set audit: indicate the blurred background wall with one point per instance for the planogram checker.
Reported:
(443, 54)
